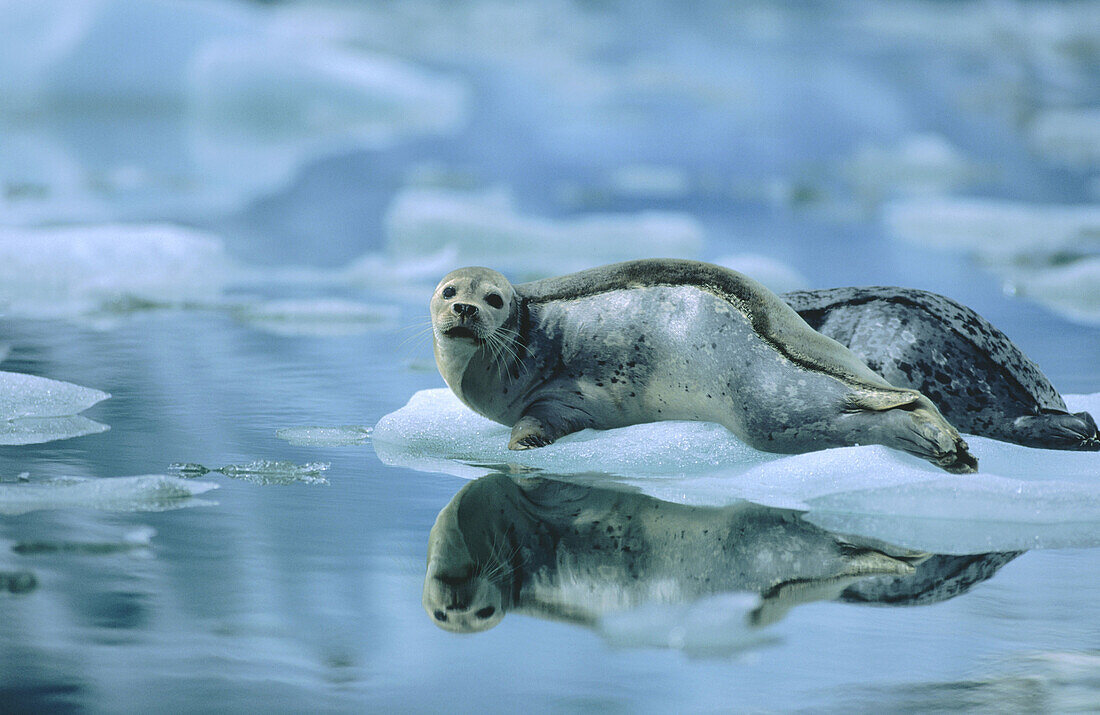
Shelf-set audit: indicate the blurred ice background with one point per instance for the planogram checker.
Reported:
(228, 215)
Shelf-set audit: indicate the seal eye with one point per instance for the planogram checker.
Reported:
(449, 292)
(486, 612)
(494, 300)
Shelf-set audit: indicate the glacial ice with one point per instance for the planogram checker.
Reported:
(1022, 498)
(149, 492)
(920, 164)
(342, 436)
(81, 270)
(320, 317)
(478, 226)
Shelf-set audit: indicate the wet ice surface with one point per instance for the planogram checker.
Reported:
(261, 471)
(1021, 498)
(150, 492)
(36, 409)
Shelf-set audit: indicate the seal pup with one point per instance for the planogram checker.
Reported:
(574, 552)
(661, 339)
(977, 377)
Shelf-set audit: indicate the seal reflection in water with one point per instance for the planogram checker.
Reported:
(572, 552)
(651, 340)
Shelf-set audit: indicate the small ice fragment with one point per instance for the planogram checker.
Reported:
(484, 226)
(262, 471)
(32, 396)
(36, 430)
(776, 275)
(150, 492)
(343, 436)
(318, 318)
(134, 541)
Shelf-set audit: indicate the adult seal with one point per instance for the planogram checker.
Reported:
(976, 376)
(651, 340)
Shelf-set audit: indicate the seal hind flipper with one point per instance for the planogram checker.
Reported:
(879, 400)
(1058, 430)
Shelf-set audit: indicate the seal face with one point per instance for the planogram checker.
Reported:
(978, 378)
(651, 340)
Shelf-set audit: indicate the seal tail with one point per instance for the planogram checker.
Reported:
(1057, 430)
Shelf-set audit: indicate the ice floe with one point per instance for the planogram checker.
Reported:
(37, 409)
(137, 540)
(485, 227)
(920, 164)
(261, 471)
(1072, 290)
(995, 230)
(1022, 498)
(342, 436)
(320, 317)
(82, 270)
(149, 492)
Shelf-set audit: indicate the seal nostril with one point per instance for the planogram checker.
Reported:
(486, 612)
(464, 309)
(440, 616)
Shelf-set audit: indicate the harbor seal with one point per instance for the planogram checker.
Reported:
(576, 552)
(662, 339)
(975, 375)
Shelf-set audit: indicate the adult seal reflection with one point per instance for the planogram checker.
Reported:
(651, 340)
(572, 552)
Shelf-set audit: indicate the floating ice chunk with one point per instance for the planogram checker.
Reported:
(997, 231)
(1068, 136)
(262, 107)
(1072, 290)
(1013, 503)
(262, 472)
(920, 164)
(64, 272)
(150, 492)
(486, 228)
(317, 317)
(776, 275)
(715, 626)
(343, 436)
(32, 396)
(36, 430)
(436, 432)
(136, 540)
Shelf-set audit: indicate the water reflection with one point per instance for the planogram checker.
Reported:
(577, 553)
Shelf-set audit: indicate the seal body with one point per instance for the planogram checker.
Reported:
(974, 374)
(644, 341)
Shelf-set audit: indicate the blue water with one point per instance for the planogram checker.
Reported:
(307, 597)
